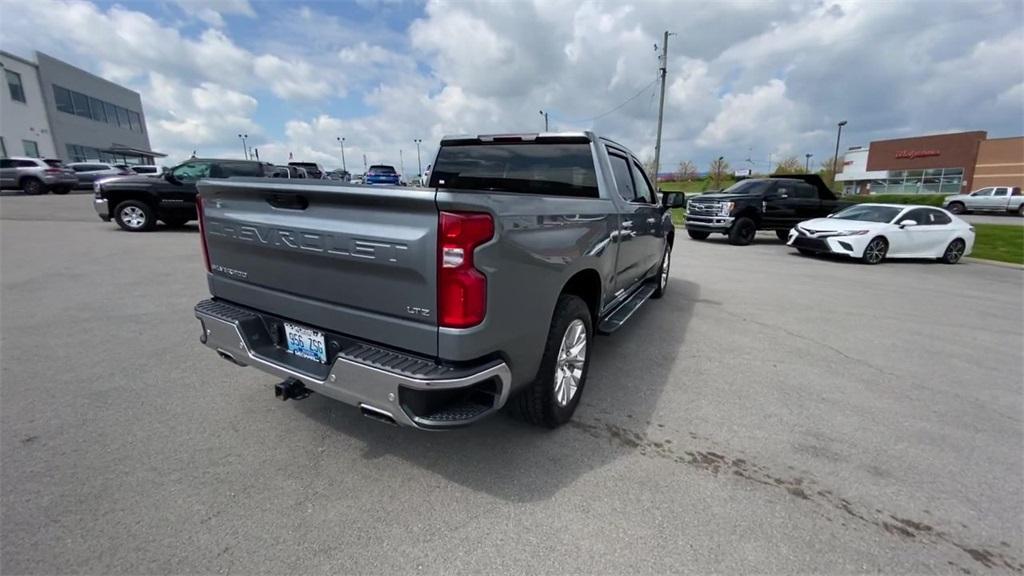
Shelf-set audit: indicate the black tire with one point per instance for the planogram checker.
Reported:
(875, 251)
(1020, 210)
(135, 216)
(742, 232)
(61, 190)
(537, 404)
(698, 234)
(33, 186)
(954, 251)
(805, 251)
(782, 235)
(174, 221)
(957, 208)
(663, 270)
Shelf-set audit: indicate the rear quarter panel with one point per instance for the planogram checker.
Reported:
(539, 243)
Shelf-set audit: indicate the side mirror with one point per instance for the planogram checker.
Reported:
(170, 177)
(673, 199)
(908, 223)
(829, 215)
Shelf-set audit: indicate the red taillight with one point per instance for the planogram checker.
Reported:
(461, 288)
(54, 171)
(202, 231)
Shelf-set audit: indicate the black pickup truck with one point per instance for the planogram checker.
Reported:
(137, 202)
(776, 203)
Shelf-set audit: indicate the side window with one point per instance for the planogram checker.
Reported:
(983, 192)
(623, 179)
(5, 163)
(645, 192)
(26, 164)
(192, 171)
(804, 191)
(784, 190)
(938, 218)
(1000, 192)
(1016, 192)
(919, 215)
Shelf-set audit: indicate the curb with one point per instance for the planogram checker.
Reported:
(999, 263)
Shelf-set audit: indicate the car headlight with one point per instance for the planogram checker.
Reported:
(852, 232)
(726, 208)
(96, 187)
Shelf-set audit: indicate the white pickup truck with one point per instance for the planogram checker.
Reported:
(992, 199)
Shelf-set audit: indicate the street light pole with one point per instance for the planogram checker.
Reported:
(245, 148)
(807, 162)
(835, 158)
(342, 142)
(545, 115)
(419, 165)
(718, 171)
(662, 73)
(401, 161)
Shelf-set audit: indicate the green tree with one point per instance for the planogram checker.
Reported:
(719, 169)
(825, 171)
(790, 165)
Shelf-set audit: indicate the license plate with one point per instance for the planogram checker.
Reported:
(305, 342)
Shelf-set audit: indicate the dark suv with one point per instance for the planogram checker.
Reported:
(776, 203)
(137, 202)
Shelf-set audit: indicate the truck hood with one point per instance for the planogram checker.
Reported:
(130, 181)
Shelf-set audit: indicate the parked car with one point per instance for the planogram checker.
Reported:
(89, 172)
(775, 203)
(36, 175)
(1006, 199)
(874, 232)
(339, 175)
(137, 202)
(147, 169)
(312, 169)
(382, 174)
(456, 301)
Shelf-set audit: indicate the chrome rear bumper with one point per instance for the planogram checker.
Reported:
(365, 384)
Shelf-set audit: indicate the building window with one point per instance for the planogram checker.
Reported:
(31, 148)
(97, 110)
(81, 102)
(62, 97)
(14, 84)
(111, 111)
(136, 121)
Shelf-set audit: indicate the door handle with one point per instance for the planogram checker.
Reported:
(288, 202)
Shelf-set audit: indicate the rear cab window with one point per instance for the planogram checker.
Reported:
(554, 167)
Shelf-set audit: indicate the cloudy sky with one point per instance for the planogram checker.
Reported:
(745, 79)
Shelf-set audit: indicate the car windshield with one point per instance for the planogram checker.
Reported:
(55, 163)
(747, 187)
(869, 213)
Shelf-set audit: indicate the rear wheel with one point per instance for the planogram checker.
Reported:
(134, 216)
(957, 208)
(32, 187)
(554, 395)
(698, 234)
(954, 251)
(782, 235)
(875, 251)
(1020, 210)
(742, 232)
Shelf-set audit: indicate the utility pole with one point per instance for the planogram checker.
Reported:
(663, 70)
(545, 115)
(245, 148)
(807, 162)
(364, 163)
(342, 142)
(835, 158)
(401, 162)
(769, 163)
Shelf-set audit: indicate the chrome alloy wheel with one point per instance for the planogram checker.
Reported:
(665, 262)
(133, 216)
(572, 355)
(875, 251)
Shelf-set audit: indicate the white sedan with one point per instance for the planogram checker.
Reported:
(874, 232)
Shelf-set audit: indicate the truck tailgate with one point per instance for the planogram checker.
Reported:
(357, 260)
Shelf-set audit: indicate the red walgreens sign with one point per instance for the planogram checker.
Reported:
(911, 154)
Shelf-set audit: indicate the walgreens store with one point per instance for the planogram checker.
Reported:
(939, 164)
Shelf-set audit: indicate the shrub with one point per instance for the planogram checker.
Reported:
(924, 199)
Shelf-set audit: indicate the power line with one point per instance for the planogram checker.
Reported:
(626, 101)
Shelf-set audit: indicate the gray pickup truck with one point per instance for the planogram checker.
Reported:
(436, 307)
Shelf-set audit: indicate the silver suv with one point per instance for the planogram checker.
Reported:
(89, 172)
(36, 176)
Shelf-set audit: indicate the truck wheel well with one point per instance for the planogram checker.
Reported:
(118, 197)
(587, 285)
(752, 214)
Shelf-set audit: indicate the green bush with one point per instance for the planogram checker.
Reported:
(924, 199)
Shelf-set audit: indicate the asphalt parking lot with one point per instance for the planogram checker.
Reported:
(772, 414)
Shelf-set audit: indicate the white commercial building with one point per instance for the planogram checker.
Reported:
(24, 126)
